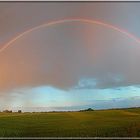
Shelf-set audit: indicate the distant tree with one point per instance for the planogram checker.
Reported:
(89, 109)
(19, 111)
(7, 111)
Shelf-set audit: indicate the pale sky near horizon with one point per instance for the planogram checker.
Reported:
(71, 64)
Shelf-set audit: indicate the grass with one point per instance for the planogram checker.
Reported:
(104, 123)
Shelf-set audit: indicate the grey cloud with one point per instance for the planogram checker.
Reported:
(63, 54)
(60, 56)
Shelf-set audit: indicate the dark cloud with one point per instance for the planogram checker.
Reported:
(61, 55)
(65, 54)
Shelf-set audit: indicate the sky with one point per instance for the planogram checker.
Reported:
(51, 58)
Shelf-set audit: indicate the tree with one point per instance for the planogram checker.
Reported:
(7, 111)
(19, 111)
(89, 109)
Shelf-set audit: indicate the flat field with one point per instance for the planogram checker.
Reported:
(103, 123)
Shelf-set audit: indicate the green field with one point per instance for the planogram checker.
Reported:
(104, 123)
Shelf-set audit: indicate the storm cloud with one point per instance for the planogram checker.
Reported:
(62, 55)
(70, 57)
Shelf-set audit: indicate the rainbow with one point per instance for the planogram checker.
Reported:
(115, 28)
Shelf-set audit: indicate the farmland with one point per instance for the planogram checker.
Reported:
(101, 123)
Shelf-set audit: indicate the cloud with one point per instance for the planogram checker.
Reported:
(71, 61)
(85, 83)
(59, 56)
(49, 98)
